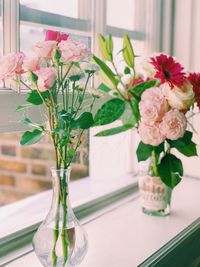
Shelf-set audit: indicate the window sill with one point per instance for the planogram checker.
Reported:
(88, 197)
(133, 237)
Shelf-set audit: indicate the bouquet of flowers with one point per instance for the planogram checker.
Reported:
(161, 98)
(57, 78)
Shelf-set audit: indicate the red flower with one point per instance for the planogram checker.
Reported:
(194, 79)
(55, 36)
(167, 70)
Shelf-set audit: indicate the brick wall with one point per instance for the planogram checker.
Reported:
(25, 171)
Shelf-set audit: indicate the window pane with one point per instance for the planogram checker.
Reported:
(71, 17)
(62, 7)
(25, 171)
(121, 13)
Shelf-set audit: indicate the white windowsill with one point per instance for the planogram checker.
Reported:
(125, 237)
(31, 210)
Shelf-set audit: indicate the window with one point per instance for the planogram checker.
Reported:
(82, 19)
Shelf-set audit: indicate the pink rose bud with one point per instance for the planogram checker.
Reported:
(31, 63)
(173, 125)
(11, 65)
(151, 134)
(44, 49)
(55, 36)
(153, 106)
(46, 78)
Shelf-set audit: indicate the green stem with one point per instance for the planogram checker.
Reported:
(154, 163)
(64, 234)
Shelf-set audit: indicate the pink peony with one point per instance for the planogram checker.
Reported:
(55, 36)
(31, 63)
(151, 134)
(173, 125)
(72, 51)
(11, 65)
(44, 49)
(153, 106)
(46, 78)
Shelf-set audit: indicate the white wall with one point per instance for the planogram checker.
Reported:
(186, 50)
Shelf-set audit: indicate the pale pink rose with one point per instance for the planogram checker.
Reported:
(153, 105)
(31, 63)
(151, 134)
(46, 78)
(173, 125)
(11, 65)
(44, 49)
(72, 51)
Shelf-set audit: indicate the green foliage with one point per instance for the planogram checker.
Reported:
(107, 71)
(141, 87)
(128, 52)
(109, 112)
(85, 121)
(104, 88)
(127, 70)
(23, 107)
(35, 98)
(115, 130)
(145, 151)
(135, 109)
(33, 77)
(31, 137)
(170, 170)
(185, 145)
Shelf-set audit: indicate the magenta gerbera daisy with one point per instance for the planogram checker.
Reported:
(168, 70)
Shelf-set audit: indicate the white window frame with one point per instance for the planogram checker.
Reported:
(8, 97)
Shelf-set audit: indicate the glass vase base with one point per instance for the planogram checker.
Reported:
(160, 213)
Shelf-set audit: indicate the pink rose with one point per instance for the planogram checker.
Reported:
(11, 65)
(173, 125)
(72, 51)
(46, 78)
(151, 134)
(44, 49)
(153, 105)
(55, 36)
(31, 63)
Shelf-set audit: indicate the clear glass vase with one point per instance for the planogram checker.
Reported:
(60, 241)
(155, 196)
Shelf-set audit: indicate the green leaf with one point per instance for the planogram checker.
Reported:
(135, 109)
(128, 52)
(103, 48)
(85, 121)
(141, 87)
(31, 137)
(109, 112)
(27, 121)
(23, 107)
(170, 170)
(115, 130)
(35, 98)
(104, 88)
(34, 77)
(145, 151)
(107, 71)
(127, 70)
(185, 145)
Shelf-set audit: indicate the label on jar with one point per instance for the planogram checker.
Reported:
(155, 195)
